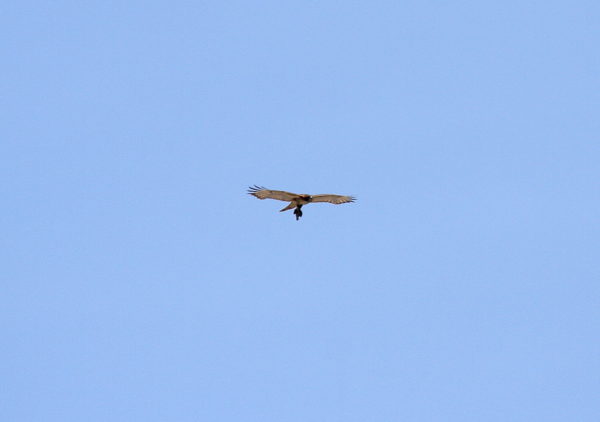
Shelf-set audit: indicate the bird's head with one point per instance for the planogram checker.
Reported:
(306, 197)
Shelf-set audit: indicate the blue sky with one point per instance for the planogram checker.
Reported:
(141, 283)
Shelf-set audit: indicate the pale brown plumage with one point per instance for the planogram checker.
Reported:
(297, 200)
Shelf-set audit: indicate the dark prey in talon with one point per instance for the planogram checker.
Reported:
(295, 200)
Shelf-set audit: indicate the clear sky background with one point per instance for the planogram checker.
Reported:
(141, 283)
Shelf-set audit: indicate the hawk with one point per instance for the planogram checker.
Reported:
(297, 200)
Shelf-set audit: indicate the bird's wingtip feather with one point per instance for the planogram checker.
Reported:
(253, 189)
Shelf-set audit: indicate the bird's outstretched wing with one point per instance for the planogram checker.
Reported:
(333, 199)
(262, 193)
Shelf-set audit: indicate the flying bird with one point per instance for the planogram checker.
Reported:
(297, 200)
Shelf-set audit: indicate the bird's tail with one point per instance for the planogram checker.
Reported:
(289, 207)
